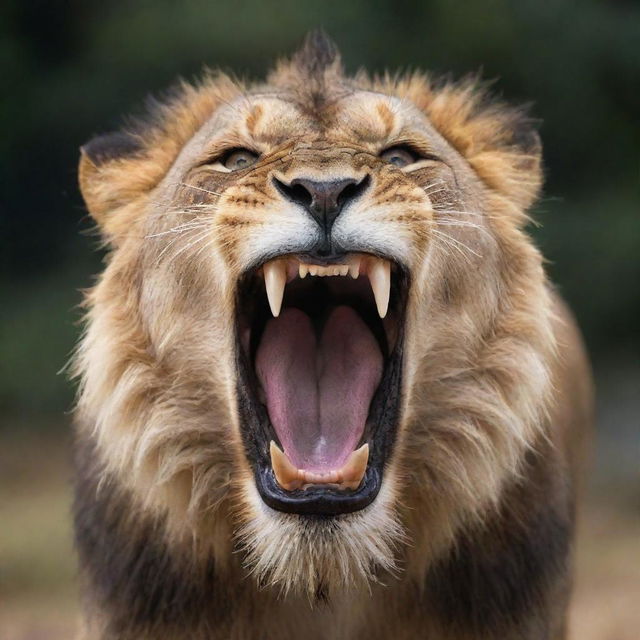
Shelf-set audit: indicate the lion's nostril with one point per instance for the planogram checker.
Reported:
(294, 192)
(323, 200)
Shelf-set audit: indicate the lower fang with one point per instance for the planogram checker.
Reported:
(286, 474)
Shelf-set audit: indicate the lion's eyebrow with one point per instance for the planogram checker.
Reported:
(253, 118)
(387, 117)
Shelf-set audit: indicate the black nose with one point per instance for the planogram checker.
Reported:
(323, 200)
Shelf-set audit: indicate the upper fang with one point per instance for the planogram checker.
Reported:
(275, 277)
(380, 279)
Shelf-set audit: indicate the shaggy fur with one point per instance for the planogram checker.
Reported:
(470, 535)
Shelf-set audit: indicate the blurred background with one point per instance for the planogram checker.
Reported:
(71, 69)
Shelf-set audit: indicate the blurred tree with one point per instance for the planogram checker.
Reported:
(70, 69)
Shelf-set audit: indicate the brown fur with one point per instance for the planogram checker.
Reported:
(470, 535)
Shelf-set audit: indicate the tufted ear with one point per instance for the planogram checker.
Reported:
(514, 167)
(118, 171)
(499, 141)
(102, 159)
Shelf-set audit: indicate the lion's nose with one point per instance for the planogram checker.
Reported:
(323, 200)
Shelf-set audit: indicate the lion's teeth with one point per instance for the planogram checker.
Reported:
(353, 470)
(379, 271)
(354, 268)
(349, 476)
(275, 277)
(286, 474)
(380, 279)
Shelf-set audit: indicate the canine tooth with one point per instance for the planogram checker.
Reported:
(275, 277)
(287, 476)
(303, 269)
(353, 470)
(380, 279)
(354, 268)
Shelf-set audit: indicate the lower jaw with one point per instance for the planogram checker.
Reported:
(317, 500)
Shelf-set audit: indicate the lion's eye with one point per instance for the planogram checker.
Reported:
(399, 156)
(239, 159)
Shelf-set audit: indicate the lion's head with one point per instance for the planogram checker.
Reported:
(321, 334)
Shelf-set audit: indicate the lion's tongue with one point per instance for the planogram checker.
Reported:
(318, 391)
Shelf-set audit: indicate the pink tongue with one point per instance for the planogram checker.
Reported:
(318, 395)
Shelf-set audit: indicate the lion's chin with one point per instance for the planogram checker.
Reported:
(321, 558)
(319, 360)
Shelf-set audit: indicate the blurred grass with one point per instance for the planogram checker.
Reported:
(37, 567)
(607, 583)
(38, 599)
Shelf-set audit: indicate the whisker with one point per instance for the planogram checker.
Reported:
(174, 240)
(179, 229)
(437, 183)
(193, 186)
(459, 212)
(194, 208)
(204, 246)
(457, 244)
(199, 238)
(432, 193)
(445, 222)
(447, 243)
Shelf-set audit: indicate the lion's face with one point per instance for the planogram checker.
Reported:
(290, 346)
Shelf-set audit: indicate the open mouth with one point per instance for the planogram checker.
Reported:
(319, 362)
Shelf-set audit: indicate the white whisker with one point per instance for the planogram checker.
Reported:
(193, 186)
(456, 244)
(199, 238)
(181, 228)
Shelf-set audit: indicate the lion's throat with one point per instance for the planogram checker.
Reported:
(318, 386)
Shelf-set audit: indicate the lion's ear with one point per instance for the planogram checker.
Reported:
(514, 167)
(500, 142)
(502, 145)
(118, 171)
(104, 173)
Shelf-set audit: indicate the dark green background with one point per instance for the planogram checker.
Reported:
(70, 70)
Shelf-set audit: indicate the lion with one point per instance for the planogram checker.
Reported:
(326, 388)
